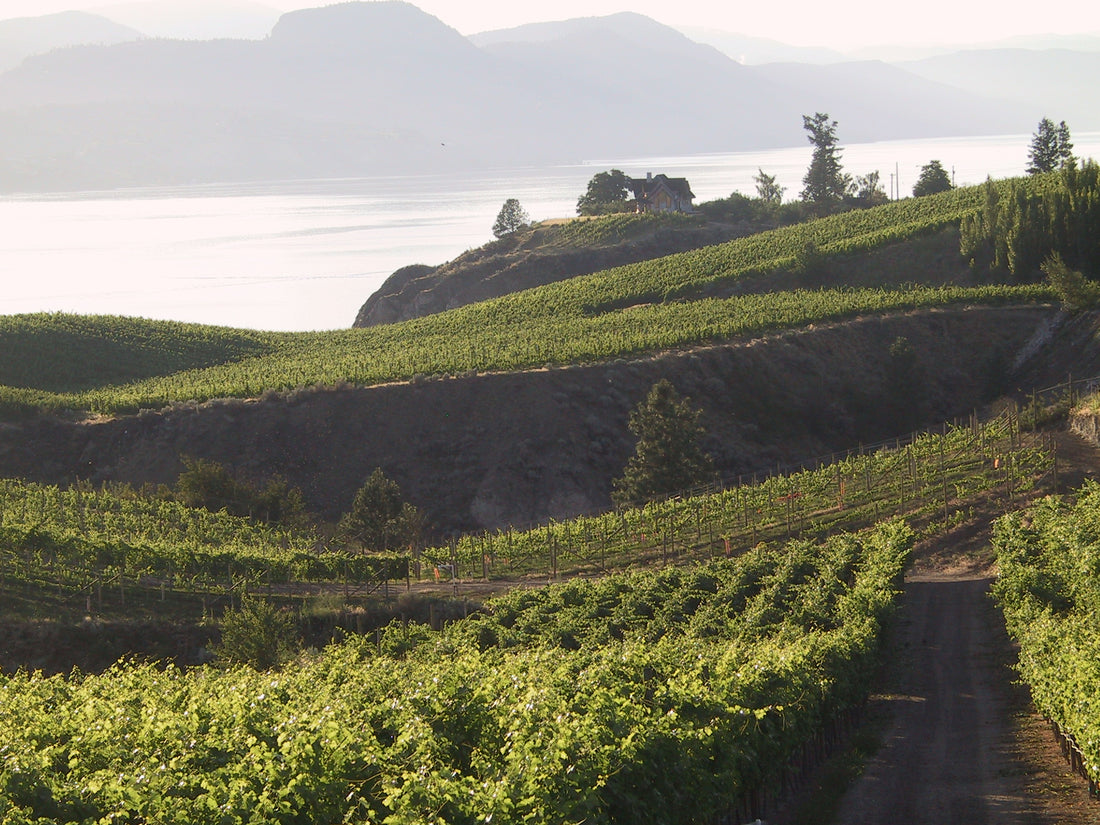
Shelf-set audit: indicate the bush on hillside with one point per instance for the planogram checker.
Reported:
(738, 207)
(209, 485)
(1074, 290)
(379, 518)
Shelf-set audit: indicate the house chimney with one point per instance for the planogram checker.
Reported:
(649, 177)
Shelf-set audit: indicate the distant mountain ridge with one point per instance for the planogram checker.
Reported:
(22, 37)
(753, 51)
(1024, 76)
(357, 89)
(195, 19)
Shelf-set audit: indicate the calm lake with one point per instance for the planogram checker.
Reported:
(304, 255)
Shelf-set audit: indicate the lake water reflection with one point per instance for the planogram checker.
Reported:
(305, 255)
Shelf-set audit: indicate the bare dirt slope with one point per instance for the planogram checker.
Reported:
(489, 450)
(961, 742)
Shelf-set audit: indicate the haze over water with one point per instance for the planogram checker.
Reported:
(306, 255)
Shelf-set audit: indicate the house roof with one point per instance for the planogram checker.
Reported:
(645, 187)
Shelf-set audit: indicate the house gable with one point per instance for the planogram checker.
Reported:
(660, 193)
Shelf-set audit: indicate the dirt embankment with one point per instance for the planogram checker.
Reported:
(492, 450)
(92, 646)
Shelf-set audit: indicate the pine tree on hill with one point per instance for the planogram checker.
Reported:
(1050, 149)
(824, 183)
(667, 458)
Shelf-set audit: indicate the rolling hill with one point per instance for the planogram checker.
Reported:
(514, 410)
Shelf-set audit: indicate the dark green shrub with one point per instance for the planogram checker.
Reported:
(208, 485)
(257, 634)
(379, 518)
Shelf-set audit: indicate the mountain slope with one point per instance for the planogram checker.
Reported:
(672, 79)
(347, 90)
(1044, 83)
(22, 37)
(382, 88)
(758, 50)
(642, 80)
(871, 98)
(195, 19)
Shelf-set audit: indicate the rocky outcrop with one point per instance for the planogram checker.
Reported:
(526, 260)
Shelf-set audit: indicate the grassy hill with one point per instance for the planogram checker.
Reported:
(682, 300)
(73, 353)
(549, 251)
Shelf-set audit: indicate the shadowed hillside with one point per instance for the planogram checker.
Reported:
(543, 254)
(493, 450)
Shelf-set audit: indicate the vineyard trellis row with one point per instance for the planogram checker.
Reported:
(91, 547)
(83, 544)
(1049, 591)
(1075, 757)
(926, 471)
(704, 699)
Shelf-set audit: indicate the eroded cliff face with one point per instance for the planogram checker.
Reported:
(497, 449)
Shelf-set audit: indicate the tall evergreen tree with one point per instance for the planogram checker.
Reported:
(667, 458)
(379, 518)
(1050, 149)
(511, 218)
(933, 178)
(824, 184)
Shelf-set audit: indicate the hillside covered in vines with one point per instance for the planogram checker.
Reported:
(688, 299)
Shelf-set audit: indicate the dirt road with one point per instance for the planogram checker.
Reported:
(949, 749)
(961, 742)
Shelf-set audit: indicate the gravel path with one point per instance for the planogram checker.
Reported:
(961, 742)
(949, 752)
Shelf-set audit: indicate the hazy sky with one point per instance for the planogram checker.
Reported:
(839, 23)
